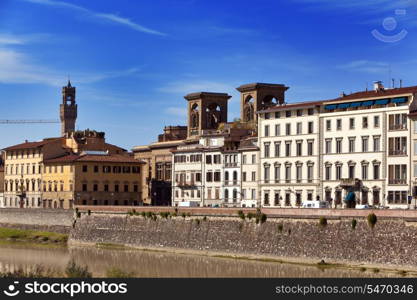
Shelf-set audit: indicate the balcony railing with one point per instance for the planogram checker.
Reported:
(185, 183)
(230, 164)
(397, 127)
(397, 181)
(397, 152)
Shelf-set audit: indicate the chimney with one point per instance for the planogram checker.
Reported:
(378, 86)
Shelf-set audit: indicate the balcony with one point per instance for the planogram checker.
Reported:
(397, 152)
(397, 127)
(234, 182)
(397, 181)
(230, 164)
(185, 184)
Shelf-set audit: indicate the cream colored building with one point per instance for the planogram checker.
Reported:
(362, 149)
(250, 172)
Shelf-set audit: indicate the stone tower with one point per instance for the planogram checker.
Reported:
(68, 109)
(258, 96)
(205, 111)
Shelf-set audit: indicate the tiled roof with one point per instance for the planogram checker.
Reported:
(353, 96)
(116, 158)
(31, 145)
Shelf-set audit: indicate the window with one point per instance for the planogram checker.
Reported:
(338, 172)
(397, 146)
(365, 144)
(84, 187)
(310, 111)
(266, 199)
(277, 115)
(277, 149)
(287, 149)
(136, 188)
(266, 150)
(253, 158)
(116, 188)
(299, 112)
(351, 145)
(376, 121)
(277, 172)
(339, 145)
(299, 128)
(198, 177)
(309, 173)
(277, 129)
(310, 148)
(243, 176)
(288, 129)
(364, 122)
(253, 176)
(397, 122)
(287, 199)
(352, 123)
(376, 171)
(244, 159)
(216, 176)
(267, 116)
(95, 169)
(266, 130)
(328, 146)
(298, 173)
(288, 113)
(287, 173)
(95, 187)
(339, 124)
(310, 127)
(106, 187)
(126, 188)
(364, 171)
(377, 143)
(209, 176)
(208, 159)
(217, 159)
(266, 173)
(299, 148)
(328, 172)
(328, 125)
(351, 172)
(85, 168)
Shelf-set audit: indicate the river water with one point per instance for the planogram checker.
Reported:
(160, 264)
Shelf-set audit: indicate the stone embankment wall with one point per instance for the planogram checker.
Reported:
(54, 220)
(391, 241)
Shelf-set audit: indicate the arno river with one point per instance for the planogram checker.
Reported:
(160, 264)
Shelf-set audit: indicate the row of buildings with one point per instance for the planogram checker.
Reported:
(359, 148)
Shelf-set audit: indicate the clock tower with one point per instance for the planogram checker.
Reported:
(68, 109)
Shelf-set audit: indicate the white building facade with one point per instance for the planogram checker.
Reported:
(359, 148)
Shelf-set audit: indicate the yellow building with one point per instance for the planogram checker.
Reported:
(91, 178)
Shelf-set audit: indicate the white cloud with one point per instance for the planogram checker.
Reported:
(13, 39)
(176, 111)
(99, 16)
(17, 67)
(185, 87)
(373, 67)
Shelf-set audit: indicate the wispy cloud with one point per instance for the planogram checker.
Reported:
(18, 67)
(13, 39)
(176, 111)
(184, 87)
(367, 66)
(112, 18)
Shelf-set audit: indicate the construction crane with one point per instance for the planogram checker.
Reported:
(29, 121)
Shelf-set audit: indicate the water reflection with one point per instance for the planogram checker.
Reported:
(157, 264)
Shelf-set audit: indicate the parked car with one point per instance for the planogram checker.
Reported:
(362, 206)
(315, 204)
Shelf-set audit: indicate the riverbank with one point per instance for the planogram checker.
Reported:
(387, 244)
(24, 236)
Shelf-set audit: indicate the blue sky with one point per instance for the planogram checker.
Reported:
(133, 61)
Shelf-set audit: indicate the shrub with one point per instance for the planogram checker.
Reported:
(188, 214)
(75, 271)
(263, 218)
(280, 227)
(78, 214)
(372, 220)
(250, 215)
(322, 221)
(183, 215)
(241, 214)
(174, 214)
(205, 218)
(197, 221)
(354, 223)
(118, 273)
(149, 214)
(143, 214)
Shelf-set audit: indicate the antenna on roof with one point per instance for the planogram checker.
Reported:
(401, 83)
(367, 86)
(393, 83)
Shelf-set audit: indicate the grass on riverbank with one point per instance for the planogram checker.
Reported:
(32, 236)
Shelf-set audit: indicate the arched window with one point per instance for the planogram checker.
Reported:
(226, 195)
(234, 195)
(234, 175)
(226, 176)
